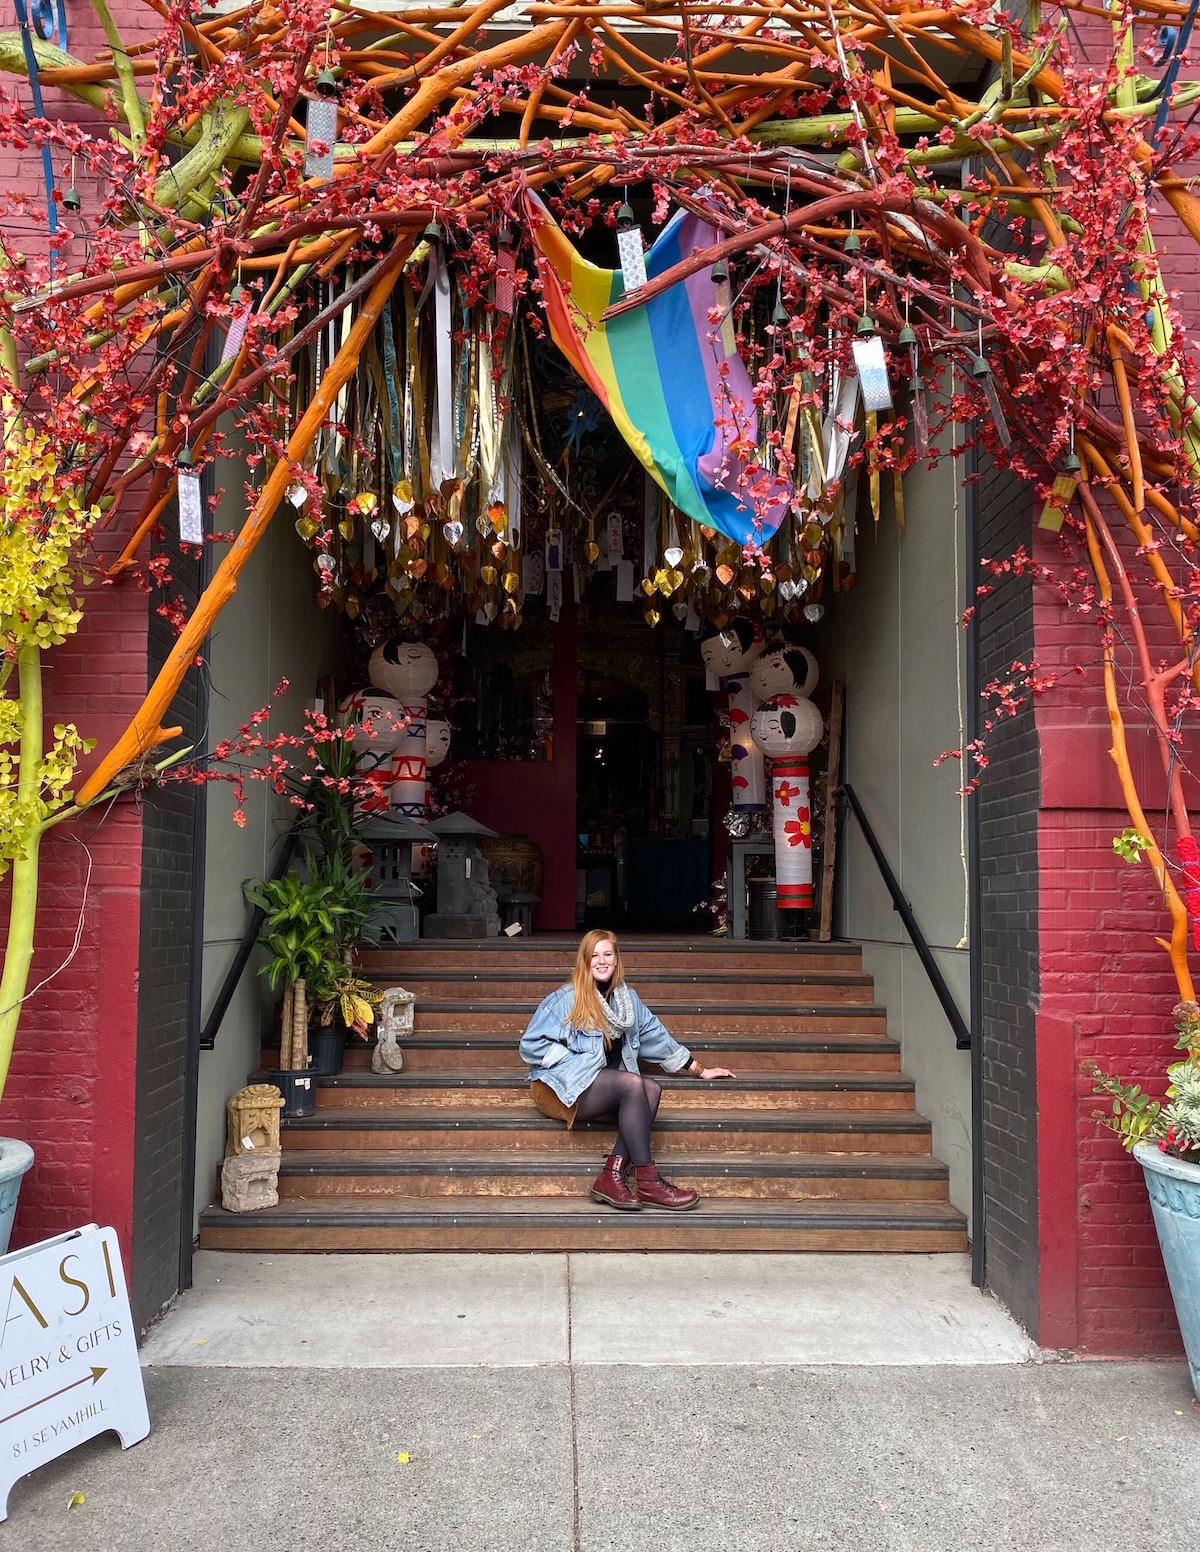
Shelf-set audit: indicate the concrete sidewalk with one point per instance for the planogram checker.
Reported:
(514, 1310)
(547, 1404)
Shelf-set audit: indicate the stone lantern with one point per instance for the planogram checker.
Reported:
(390, 837)
(466, 901)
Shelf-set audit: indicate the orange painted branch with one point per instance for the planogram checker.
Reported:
(146, 728)
(1119, 752)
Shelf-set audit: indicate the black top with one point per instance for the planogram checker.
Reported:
(617, 1044)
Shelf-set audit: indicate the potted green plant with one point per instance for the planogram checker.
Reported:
(300, 936)
(344, 1003)
(1164, 1137)
(330, 839)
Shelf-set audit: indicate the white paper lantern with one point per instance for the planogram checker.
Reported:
(405, 669)
(747, 772)
(787, 671)
(787, 725)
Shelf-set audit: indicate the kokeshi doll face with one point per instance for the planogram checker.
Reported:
(788, 671)
(788, 724)
(437, 740)
(376, 721)
(732, 650)
(406, 669)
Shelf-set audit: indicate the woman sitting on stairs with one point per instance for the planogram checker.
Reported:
(583, 1046)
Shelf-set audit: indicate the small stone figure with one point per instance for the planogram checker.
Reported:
(395, 1018)
(252, 1120)
(250, 1181)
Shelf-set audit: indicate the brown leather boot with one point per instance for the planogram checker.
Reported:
(654, 1191)
(609, 1185)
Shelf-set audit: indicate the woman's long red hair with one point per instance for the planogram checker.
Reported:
(587, 1010)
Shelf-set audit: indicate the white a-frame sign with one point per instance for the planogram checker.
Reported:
(68, 1354)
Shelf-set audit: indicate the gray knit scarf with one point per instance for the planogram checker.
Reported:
(618, 1011)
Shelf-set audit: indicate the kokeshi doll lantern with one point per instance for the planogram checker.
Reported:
(729, 655)
(789, 728)
(437, 740)
(785, 671)
(407, 670)
(376, 724)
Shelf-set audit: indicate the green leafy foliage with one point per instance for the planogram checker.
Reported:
(1174, 1122)
(42, 528)
(1130, 844)
(300, 918)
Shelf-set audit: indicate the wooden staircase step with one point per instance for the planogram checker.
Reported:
(492, 1130)
(503, 1223)
(471, 1050)
(682, 1017)
(717, 987)
(554, 1173)
(555, 955)
(498, 1090)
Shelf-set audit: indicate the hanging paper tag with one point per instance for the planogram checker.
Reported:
(512, 489)
(691, 620)
(237, 332)
(1060, 498)
(624, 581)
(711, 682)
(727, 336)
(577, 583)
(506, 263)
(320, 137)
(632, 256)
(533, 574)
(554, 593)
(480, 619)
(872, 372)
(616, 537)
(554, 550)
(191, 512)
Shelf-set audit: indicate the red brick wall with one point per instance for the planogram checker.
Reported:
(1106, 994)
(70, 1090)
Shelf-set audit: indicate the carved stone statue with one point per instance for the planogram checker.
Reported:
(394, 1019)
(252, 1117)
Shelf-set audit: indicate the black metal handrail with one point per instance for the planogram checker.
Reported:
(962, 1035)
(208, 1035)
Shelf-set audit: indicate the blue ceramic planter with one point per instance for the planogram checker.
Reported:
(15, 1159)
(1175, 1197)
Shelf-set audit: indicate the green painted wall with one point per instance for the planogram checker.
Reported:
(271, 629)
(897, 644)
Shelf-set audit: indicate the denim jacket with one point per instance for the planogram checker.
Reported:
(569, 1060)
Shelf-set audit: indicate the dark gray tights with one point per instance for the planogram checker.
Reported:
(632, 1099)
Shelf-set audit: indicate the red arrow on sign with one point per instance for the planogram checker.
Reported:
(93, 1376)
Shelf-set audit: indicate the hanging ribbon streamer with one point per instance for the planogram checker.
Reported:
(441, 452)
(1189, 858)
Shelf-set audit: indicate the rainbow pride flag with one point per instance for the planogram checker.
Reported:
(679, 395)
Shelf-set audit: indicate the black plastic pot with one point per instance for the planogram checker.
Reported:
(328, 1047)
(299, 1090)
